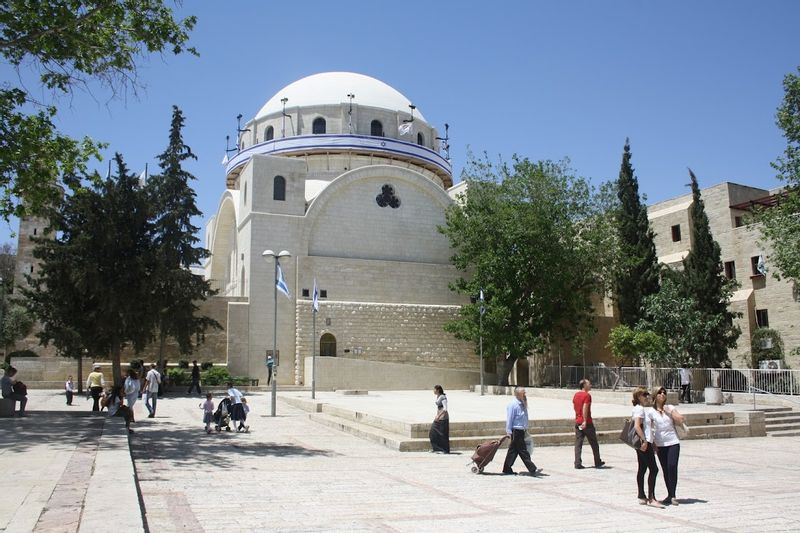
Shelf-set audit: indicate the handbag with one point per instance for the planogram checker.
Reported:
(629, 436)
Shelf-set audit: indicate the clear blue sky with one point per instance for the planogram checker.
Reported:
(693, 84)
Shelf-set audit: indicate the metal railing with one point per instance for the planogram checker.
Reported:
(762, 392)
(772, 381)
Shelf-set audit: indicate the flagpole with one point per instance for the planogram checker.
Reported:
(313, 352)
(274, 338)
(481, 337)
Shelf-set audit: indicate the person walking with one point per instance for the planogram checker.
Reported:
(584, 425)
(237, 409)
(195, 379)
(69, 388)
(10, 391)
(270, 364)
(151, 386)
(95, 383)
(208, 412)
(117, 408)
(668, 445)
(645, 455)
(517, 428)
(131, 388)
(440, 428)
(686, 385)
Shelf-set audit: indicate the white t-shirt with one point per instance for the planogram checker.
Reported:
(153, 379)
(131, 386)
(665, 428)
(236, 396)
(646, 414)
(686, 376)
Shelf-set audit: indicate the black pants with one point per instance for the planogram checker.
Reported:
(69, 397)
(517, 447)
(17, 397)
(439, 435)
(647, 461)
(193, 385)
(96, 392)
(668, 457)
(269, 375)
(590, 434)
(686, 393)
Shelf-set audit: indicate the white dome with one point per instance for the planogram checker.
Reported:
(332, 88)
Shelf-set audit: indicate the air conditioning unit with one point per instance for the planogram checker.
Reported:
(771, 364)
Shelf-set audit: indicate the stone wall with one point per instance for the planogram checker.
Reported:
(392, 333)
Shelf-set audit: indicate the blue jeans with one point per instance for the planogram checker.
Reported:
(151, 397)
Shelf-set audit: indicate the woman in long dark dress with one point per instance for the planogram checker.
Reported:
(440, 429)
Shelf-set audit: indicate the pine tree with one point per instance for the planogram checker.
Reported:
(638, 273)
(92, 289)
(177, 291)
(703, 280)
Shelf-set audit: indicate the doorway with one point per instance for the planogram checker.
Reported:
(327, 345)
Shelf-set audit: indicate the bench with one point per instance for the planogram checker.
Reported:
(7, 407)
(254, 383)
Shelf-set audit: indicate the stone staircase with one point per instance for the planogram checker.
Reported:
(782, 422)
(413, 437)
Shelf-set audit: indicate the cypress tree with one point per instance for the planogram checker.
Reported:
(638, 274)
(177, 290)
(703, 280)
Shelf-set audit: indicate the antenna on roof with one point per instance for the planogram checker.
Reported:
(446, 139)
(239, 129)
(350, 112)
(413, 107)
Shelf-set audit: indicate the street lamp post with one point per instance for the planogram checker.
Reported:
(275, 358)
(482, 310)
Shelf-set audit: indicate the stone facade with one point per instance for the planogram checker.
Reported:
(741, 245)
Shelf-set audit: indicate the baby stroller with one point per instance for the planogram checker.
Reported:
(484, 453)
(222, 416)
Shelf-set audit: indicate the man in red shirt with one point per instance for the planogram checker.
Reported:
(584, 427)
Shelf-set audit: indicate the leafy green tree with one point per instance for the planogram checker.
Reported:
(629, 345)
(93, 288)
(15, 324)
(703, 281)
(780, 225)
(531, 236)
(637, 274)
(68, 43)
(176, 290)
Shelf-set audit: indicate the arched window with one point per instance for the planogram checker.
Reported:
(279, 188)
(270, 134)
(376, 128)
(420, 139)
(318, 126)
(327, 345)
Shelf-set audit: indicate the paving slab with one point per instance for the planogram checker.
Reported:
(290, 474)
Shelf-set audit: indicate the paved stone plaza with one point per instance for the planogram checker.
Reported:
(290, 474)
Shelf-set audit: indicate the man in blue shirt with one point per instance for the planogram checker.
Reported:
(517, 428)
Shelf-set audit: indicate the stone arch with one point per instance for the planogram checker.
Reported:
(327, 345)
(224, 241)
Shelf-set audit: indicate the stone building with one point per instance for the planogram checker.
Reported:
(762, 300)
(345, 174)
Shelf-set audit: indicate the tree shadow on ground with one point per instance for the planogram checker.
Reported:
(188, 446)
(50, 428)
(690, 501)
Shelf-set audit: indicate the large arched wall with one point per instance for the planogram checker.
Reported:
(224, 241)
(346, 221)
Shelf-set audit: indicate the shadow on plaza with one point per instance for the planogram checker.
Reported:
(192, 446)
(67, 428)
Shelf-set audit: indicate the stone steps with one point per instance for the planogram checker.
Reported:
(463, 441)
(782, 422)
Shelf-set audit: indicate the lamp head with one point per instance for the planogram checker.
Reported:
(284, 253)
(267, 253)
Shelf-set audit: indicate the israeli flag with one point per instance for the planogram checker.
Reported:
(483, 309)
(315, 297)
(225, 159)
(761, 266)
(280, 283)
(404, 128)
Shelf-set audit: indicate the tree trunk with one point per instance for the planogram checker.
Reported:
(116, 365)
(162, 340)
(80, 374)
(504, 367)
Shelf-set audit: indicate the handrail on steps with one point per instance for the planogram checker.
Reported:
(756, 389)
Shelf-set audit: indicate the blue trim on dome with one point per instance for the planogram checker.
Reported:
(340, 141)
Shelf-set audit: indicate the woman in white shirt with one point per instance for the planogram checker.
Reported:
(131, 388)
(439, 434)
(643, 419)
(665, 418)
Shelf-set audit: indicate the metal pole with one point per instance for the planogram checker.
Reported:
(313, 353)
(275, 337)
(481, 347)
